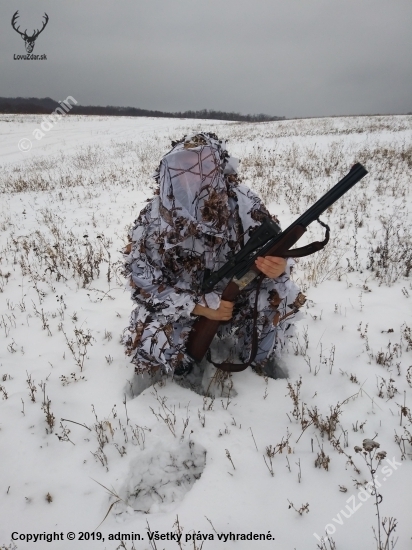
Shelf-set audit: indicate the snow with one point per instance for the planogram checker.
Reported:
(112, 463)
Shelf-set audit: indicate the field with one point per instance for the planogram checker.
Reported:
(277, 461)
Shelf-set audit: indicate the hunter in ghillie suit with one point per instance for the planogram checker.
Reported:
(198, 218)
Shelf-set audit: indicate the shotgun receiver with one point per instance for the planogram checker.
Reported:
(267, 240)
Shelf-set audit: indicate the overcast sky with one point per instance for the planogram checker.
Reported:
(288, 58)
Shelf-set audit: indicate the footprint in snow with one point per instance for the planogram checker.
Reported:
(160, 478)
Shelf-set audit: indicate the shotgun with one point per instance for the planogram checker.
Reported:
(267, 240)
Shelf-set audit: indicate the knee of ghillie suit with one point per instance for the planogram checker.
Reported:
(183, 369)
(143, 380)
(271, 369)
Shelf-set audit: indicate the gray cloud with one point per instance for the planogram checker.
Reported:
(292, 58)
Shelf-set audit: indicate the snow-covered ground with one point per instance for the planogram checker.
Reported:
(80, 455)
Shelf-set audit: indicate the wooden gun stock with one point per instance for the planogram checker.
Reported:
(204, 330)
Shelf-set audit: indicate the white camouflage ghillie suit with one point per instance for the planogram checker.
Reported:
(199, 217)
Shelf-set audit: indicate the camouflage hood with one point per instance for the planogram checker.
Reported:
(194, 189)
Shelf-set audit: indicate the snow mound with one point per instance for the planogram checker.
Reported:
(160, 478)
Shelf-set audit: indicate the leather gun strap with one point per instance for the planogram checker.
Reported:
(309, 248)
(238, 367)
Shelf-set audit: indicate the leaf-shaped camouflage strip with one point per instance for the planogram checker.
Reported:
(215, 209)
(299, 301)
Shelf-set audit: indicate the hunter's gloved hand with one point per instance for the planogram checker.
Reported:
(222, 313)
(271, 266)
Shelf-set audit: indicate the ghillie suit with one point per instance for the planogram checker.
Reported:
(199, 217)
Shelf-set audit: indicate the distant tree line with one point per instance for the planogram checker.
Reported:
(32, 105)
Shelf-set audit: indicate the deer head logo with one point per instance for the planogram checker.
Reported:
(28, 40)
